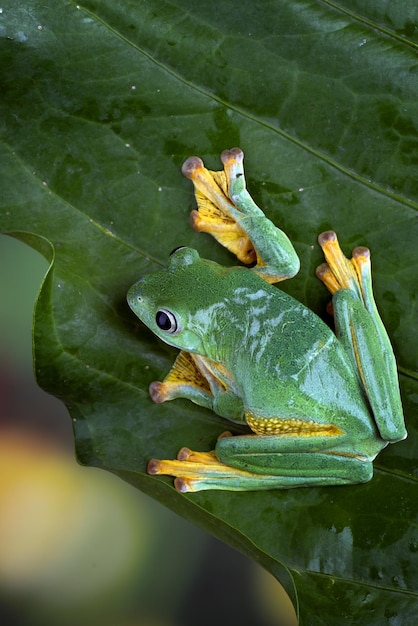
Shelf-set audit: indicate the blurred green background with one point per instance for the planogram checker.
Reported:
(77, 545)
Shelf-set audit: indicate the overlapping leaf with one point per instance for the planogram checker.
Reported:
(100, 104)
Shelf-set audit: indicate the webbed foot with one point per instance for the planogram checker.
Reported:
(215, 208)
(339, 272)
(227, 212)
(184, 378)
(201, 471)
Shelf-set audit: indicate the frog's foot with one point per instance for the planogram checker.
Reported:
(361, 331)
(214, 214)
(184, 380)
(227, 211)
(200, 471)
(339, 272)
(204, 382)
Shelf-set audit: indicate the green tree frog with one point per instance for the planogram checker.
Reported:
(319, 405)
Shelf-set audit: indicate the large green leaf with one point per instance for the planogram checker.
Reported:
(100, 104)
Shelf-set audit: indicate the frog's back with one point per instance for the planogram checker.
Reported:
(290, 362)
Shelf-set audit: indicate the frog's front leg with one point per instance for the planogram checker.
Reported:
(202, 381)
(253, 462)
(227, 211)
(360, 329)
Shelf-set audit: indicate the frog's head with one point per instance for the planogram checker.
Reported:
(180, 303)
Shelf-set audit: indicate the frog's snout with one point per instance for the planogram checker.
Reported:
(134, 295)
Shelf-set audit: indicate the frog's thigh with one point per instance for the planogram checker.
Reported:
(373, 356)
(197, 471)
(292, 464)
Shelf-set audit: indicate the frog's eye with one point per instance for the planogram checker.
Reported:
(181, 257)
(175, 250)
(166, 321)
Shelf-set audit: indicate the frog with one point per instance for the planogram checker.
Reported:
(316, 403)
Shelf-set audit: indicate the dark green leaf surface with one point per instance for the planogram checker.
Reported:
(100, 104)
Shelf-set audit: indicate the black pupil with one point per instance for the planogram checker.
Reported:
(163, 321)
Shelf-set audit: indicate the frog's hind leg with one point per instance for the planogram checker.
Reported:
(360, 329)
(259, 469)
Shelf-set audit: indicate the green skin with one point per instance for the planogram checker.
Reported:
(283, 363)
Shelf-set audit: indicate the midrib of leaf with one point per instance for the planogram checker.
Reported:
(408, 373)
(392, 472)
(370, 23)
(253, 118)
(358, 581)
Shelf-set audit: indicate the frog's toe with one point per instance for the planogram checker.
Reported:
(164, 391)
(190, 456)
(226, 433)
(361, 261)
(233, 162)
(190, 166)
(155, 467)
(338, 272)
(233, 154)
(184, 454)
(193, 471)
(324, 273)
(157, 391)
(183, 485)
(328, 237)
